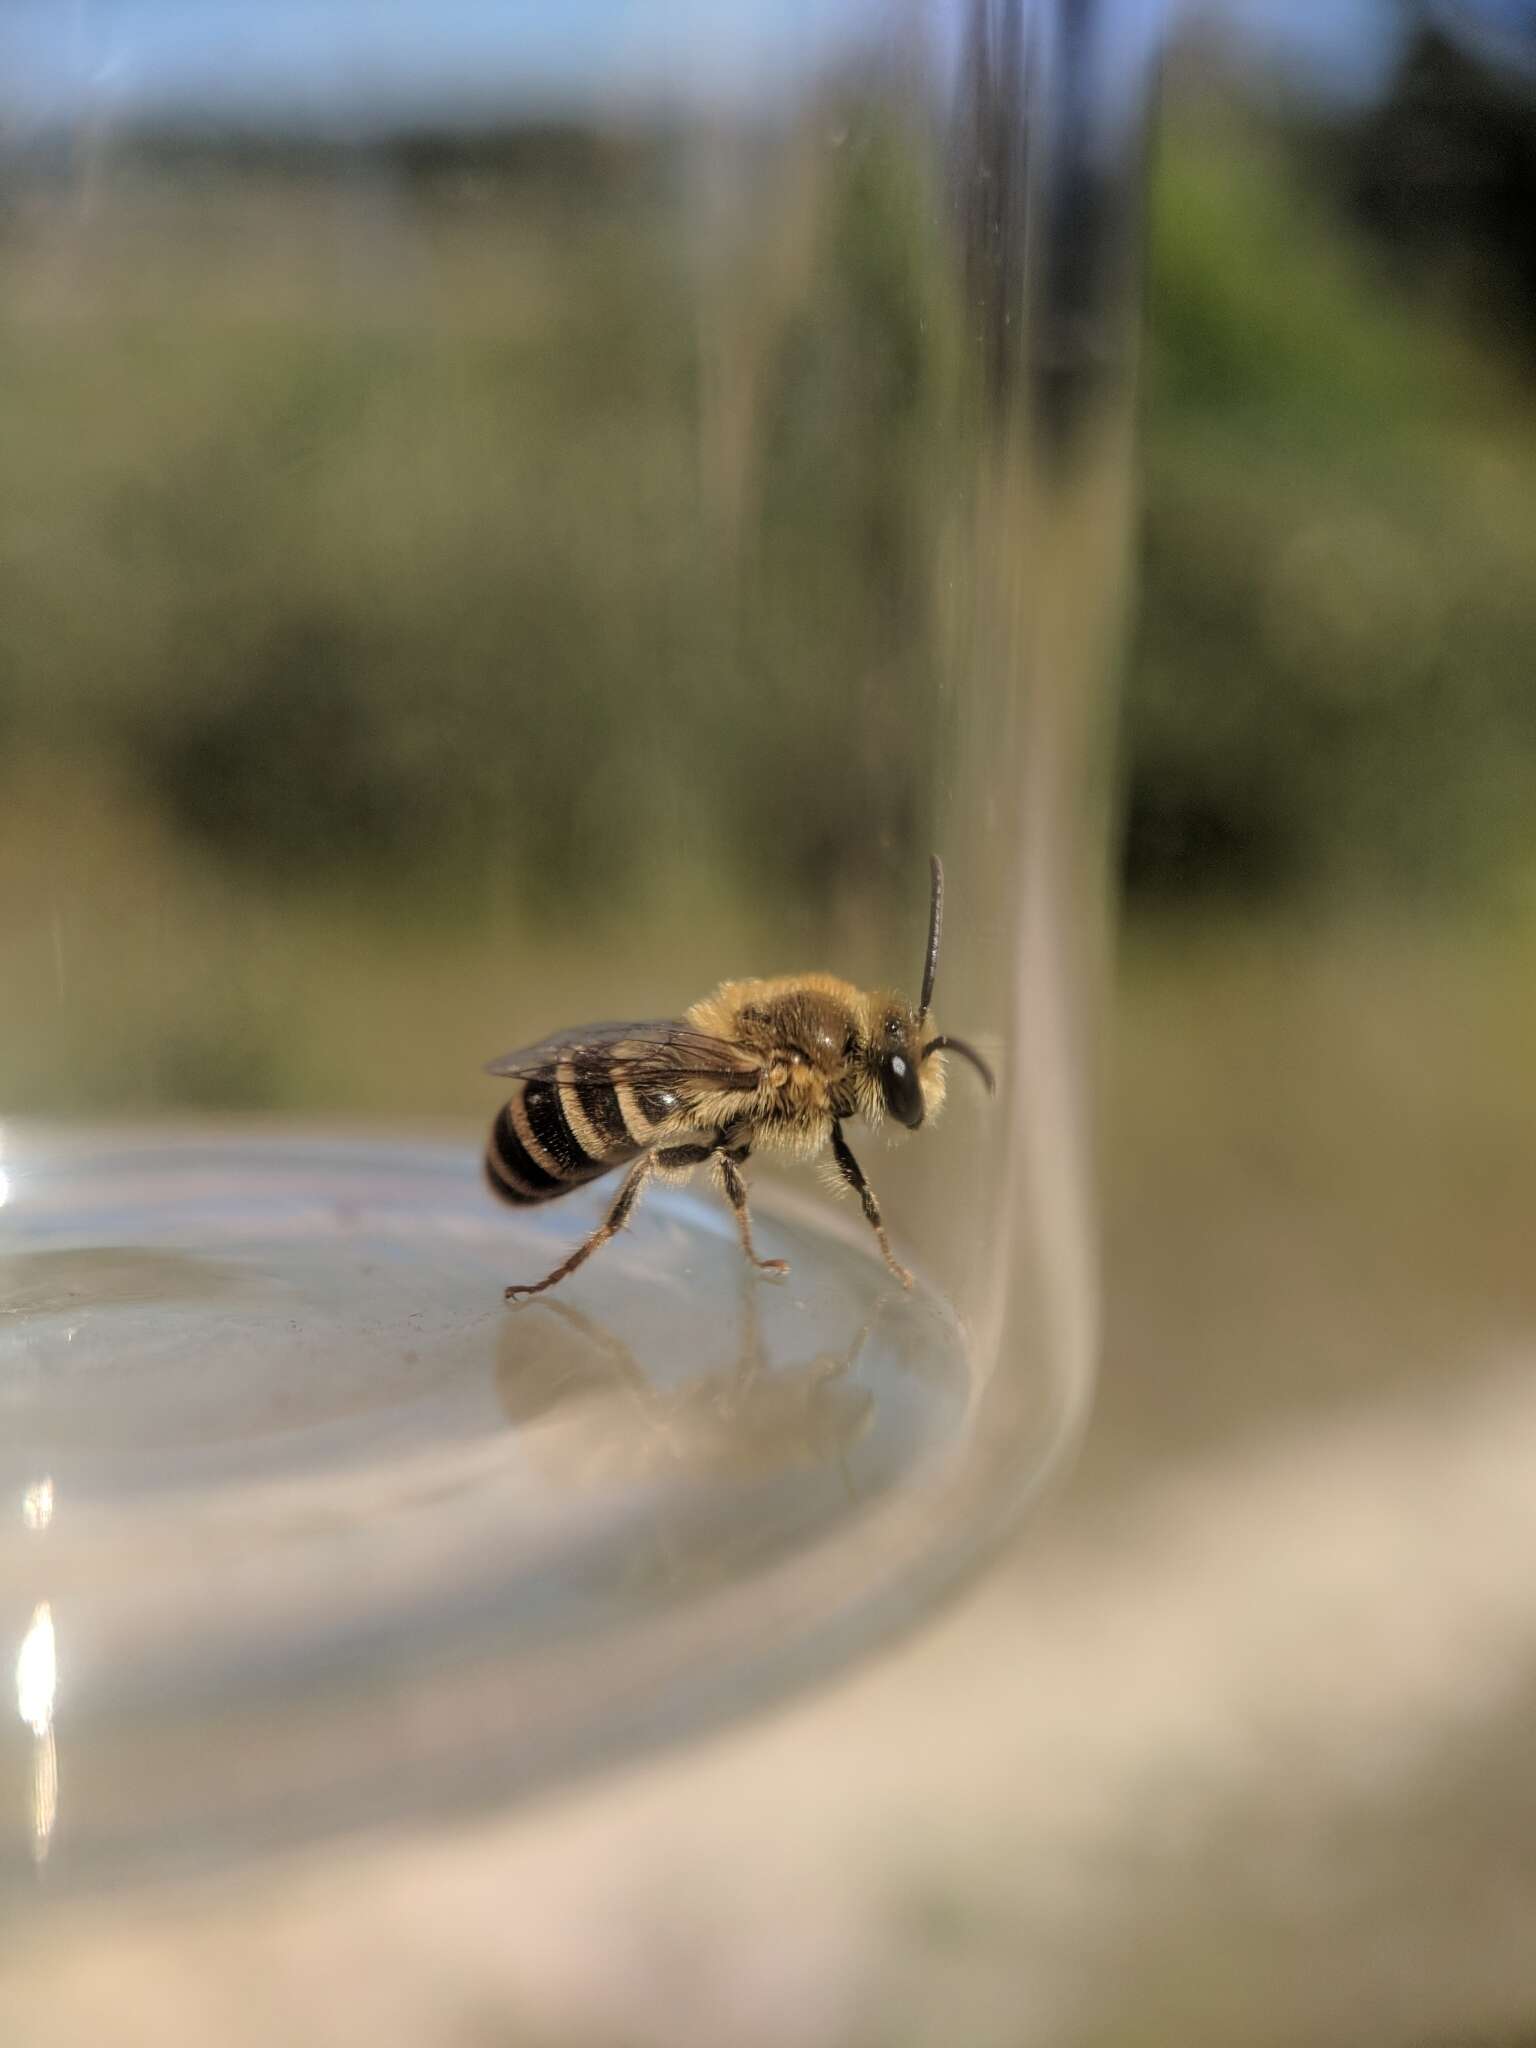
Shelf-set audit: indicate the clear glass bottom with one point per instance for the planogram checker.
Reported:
(309, 1528)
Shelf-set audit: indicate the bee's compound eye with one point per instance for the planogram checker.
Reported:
(901, 1089)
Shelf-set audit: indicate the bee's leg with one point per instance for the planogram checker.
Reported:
(853, 1173)
(684, 1156)
(736, 1194)
(611, 1225)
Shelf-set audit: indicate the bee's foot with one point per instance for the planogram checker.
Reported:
(518, 1293)
(777, 1267)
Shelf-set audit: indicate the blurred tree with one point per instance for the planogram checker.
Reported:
(1331, 681)
(1442, 173)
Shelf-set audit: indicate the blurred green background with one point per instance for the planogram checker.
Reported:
(1331, 690)
(317, 461)
(377, 592)
(354, 490)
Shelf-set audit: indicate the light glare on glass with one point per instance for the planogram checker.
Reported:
(37, 1672)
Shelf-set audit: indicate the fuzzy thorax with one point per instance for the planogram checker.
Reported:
(822, 1042)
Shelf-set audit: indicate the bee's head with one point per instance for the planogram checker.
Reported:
(911, 1079)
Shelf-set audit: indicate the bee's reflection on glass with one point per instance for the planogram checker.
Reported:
(748, 1417)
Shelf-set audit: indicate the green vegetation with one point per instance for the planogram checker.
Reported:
(381, 531)
(1333, 683)
(389, 516)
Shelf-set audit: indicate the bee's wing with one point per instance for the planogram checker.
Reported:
(665, 1053)
(584, 1047)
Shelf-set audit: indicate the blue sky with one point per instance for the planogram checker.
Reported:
(347, 55)
(339, 58)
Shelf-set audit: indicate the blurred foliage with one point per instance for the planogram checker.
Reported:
(388, 529)
(384, 510)
(1333, 677)
(1442, 175)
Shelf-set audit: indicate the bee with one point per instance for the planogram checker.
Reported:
(775, 1066)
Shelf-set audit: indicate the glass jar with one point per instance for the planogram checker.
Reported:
(512, 521)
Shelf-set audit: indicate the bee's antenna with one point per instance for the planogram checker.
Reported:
(966, 1052)
(935, 927)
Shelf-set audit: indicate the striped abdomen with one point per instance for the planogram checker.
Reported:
(557, 1134)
